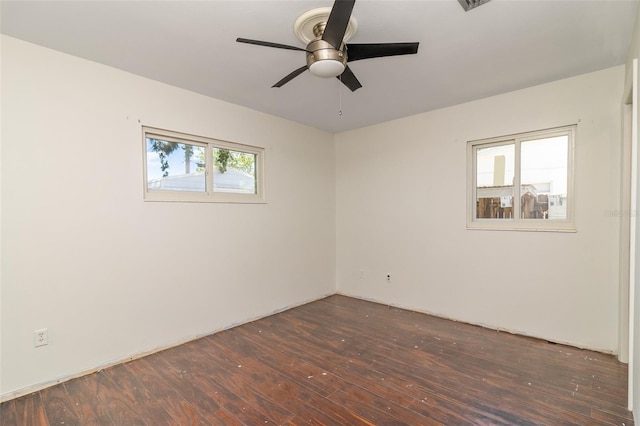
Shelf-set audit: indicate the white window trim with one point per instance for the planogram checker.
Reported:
(518, 224)
(209, 196)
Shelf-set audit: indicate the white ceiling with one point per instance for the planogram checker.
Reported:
(498, 47)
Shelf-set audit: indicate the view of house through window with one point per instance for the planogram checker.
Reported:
(234, 171)
(522, 178)
(543, 178)
(174, 166)
(494, 180)
(200, 169)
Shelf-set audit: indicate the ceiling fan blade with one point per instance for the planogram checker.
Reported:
(349, 79)
(356, 52)
(337, 22)
(269, 44)
(290, 76)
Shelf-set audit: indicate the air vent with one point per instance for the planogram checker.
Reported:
(467, 5)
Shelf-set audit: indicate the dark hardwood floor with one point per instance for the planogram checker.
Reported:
(342, 361)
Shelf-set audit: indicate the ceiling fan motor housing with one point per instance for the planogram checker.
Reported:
(324, 60)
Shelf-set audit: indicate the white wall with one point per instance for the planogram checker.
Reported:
(634, 285)
(110, 275)
(401, 210)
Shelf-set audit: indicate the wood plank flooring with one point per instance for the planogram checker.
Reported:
(343, 361)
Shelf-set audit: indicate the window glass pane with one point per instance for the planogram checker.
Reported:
(173, 166)
(234, 171)
(494, 181)
(543, 178)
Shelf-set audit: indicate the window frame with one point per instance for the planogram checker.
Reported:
(516, 223)
(209, 195)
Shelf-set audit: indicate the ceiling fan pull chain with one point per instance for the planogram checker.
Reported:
(340, 97)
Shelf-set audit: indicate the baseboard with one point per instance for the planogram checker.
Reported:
(39, 386)
(488, 327)
(43, 385)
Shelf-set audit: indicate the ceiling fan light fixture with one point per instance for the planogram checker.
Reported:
(325, 61)
(327, 68)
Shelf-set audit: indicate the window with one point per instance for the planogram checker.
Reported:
(522, 181)
(179, 167)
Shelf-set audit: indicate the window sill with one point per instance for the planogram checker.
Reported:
(525, 227)
(196, 197)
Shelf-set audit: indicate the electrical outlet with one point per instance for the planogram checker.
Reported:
(362, 276)
(388, 278)
(40, 337)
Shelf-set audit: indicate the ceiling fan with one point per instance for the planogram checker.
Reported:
(327, 51)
